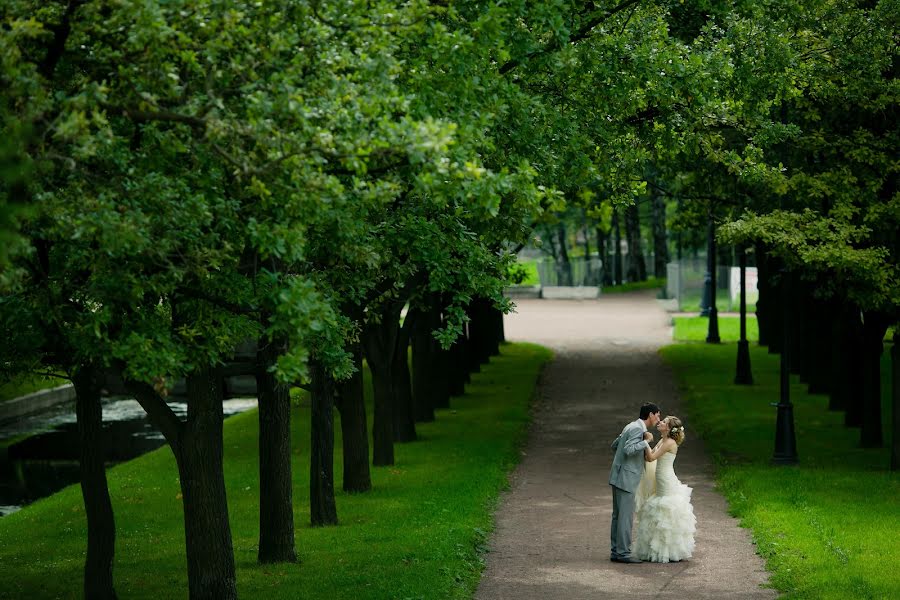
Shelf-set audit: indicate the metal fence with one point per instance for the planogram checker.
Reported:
(579, 271)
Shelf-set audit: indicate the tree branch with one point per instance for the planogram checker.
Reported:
(159, 412)
(579, 35)
(144, 116)
(61, 34)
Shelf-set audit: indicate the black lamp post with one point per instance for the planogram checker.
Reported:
(706, 299)
(712, 334)
(785, 439)
(743, 374)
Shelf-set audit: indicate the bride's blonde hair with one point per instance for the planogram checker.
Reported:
(676, 429)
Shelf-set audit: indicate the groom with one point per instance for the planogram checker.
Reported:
(627, 469)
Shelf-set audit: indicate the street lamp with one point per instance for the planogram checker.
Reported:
(743, 375)
(785, 439)
(712, 335)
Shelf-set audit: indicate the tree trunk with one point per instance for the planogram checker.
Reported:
(895, 399)
(637, 266)
(101, 526)
(210, 557)
(839, 383)
(354, 434)
(820, 359)
(380, 341)
(404, 411)
(874, 327)
(853, 417)
(563, 265)
(764, 301)
(773, 301)
(276, 504)
(660, 247)
(800, 334)
(617, 249)
(481, 329)
(457, 364)
(322, 509)
(494, 320)
(423, 366)
(589, 278)
(607, 261)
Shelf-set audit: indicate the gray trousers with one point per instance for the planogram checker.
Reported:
(622, 520)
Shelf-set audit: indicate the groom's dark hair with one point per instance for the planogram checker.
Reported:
(647, 409)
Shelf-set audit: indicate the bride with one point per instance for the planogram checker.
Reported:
(665, 517)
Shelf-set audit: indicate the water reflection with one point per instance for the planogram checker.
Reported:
(46, 459)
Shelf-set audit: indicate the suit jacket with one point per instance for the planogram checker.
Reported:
(628, 464)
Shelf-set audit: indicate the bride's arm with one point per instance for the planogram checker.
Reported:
(661, 448)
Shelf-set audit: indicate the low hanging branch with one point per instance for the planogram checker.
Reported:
(583, 33)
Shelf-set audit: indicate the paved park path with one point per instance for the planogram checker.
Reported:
(552, 534)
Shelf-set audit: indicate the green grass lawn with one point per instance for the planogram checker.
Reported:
(690, 302)
(695, 329)
(827, 527)
(20, 386)
(418, 534)
(652, 283)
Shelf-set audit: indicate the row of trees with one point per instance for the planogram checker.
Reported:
(180, 178)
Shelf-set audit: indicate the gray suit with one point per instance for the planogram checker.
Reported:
(624, 477)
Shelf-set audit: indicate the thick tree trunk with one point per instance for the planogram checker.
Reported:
(637, 265)
(855, 365)
(607, 261)
(423, 365)
(482, 331)
(589, 277)
(494, 321)
(773, 301)
(101, 526)
(210, 556)
(839, 392)
(276, 504)
(404, 411)
(457, 367)
(354, 434)
(380, 341)
(660, 247)
(800, 330)
(820, 349)
(874, 327)
(563, 265)
(322, 508)
(617, 248)
(895, 399)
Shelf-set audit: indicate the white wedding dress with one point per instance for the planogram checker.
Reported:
(665, 517)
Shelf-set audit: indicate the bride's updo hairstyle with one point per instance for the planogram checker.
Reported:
(676, 429)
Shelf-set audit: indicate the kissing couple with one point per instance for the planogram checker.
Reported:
(645, 489)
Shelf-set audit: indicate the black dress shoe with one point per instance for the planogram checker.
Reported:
(629, 560)
(614, 558)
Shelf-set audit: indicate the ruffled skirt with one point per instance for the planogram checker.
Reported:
(666, 526)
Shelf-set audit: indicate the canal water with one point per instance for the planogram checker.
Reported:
(39, 453)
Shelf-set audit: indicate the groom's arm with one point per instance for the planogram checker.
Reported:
(635, 442)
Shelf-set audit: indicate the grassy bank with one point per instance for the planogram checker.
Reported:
(27, 384)
(418, 534)
(825, 527)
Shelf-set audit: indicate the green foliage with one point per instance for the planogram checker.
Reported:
(420, 533)
(820, 525)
